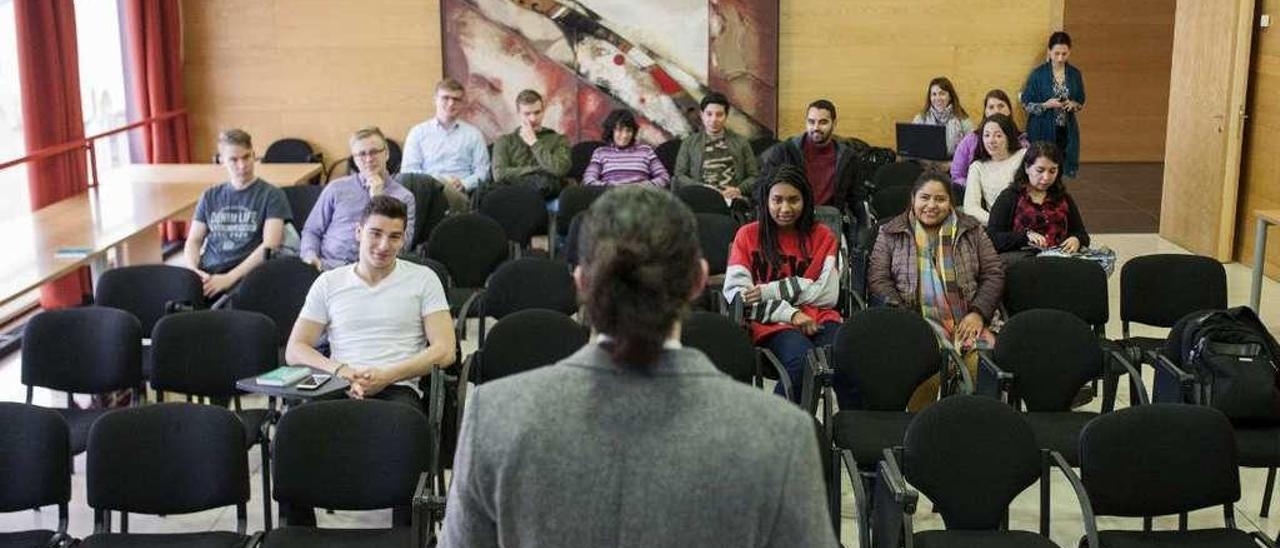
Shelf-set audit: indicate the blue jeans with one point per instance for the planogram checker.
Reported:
(791, 346)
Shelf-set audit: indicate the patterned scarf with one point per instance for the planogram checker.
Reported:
(940, 299)
(940, 117)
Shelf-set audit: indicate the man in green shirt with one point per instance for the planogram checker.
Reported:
(531, 155)
(716, 156)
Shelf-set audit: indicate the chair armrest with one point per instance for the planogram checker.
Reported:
(255, 540)
(1187, 381)
(861, 498)
(1135, 377)
(435, 417)
(894, 505)
(464, 376)
(460, 323)
(988, 368)
(223, 302)
(816, 375)
(891, 476)
(737, 309)
(783, 377)
(171, 307)
(1055, 460)
(1262, 539)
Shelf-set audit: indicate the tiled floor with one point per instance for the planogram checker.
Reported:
(1066, 529)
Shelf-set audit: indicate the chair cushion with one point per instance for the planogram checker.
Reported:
(338, 538)
(214, 539)
(980, 539)
(1060, 432)
(80, 420)
(868, 433)
(252, 420)
(1198, 538)
(1258, 447)
(25, 539)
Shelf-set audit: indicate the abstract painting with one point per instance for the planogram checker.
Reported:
(657, 58)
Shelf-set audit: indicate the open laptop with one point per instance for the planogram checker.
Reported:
(925, 141)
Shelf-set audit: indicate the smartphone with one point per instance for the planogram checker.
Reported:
(314, 381)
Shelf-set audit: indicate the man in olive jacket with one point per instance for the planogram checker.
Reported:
(717, 156)
(531, 155)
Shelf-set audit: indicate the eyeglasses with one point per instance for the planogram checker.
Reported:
(368, 153)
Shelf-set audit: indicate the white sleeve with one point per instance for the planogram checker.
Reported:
(316, 307)
(973, 195)
(433, 296)
(796, 290)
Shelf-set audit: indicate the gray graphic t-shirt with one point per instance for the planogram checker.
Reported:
(235, 219)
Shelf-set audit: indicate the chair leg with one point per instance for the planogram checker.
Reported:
(1146, 525)
(265, 445)
(1266, 495)
(1045, 507)
(833, 490)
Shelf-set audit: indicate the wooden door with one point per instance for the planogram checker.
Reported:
(1208, 84)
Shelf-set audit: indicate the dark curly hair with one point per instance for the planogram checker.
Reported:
(620, 117)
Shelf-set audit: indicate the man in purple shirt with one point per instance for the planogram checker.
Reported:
(329, 236)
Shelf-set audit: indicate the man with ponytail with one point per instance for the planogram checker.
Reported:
(634, 440)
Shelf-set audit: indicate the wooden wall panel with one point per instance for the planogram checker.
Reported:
(873, 58)
(1260, 167)
(315, 69)
(1125, 50)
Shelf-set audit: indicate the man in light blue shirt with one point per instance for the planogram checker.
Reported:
(448, 149)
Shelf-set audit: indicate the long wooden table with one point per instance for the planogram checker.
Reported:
(120, 213)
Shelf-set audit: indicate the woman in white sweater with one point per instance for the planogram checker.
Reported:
(995, 163)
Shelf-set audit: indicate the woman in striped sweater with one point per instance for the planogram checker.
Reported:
(623, 161)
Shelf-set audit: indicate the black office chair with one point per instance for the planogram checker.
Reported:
(902, 173)
(570, 251)
(167, 459)
(35, 469)
(429, 206)
(1159, 290)
(580, 156)
(761, 144)
(971, 456)
(149, 292)
(358, 437)
(520, 210)
(1156, 460)
(293, 151)
(202, 354)
(277, 288)
(573, 200)
(667, 153)
(715, 236)
(879, 208)
(89, 350)
(703, 199)
(888, 353)
(471, 246)
(729, 347)
(302, 199)
(521, 284)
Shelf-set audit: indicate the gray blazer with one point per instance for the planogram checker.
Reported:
(586, 453)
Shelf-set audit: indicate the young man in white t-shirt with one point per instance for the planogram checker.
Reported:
(387, 320)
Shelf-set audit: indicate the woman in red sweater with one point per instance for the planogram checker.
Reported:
(785, 268)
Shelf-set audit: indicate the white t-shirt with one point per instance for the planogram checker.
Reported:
(375, 326)
(986, 181)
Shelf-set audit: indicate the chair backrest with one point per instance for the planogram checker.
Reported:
(724, 342)
(888, 202)
(667, 153)
(574, 200)
(571, 241)
(146, 290)
(888, 352)
(1159, 290)
(1052, 353)
(87, 350)
(35, 458)
(277, 288)
(761, 144)
(526, 340)
(715, 235)
(204, 353)
(429, 205)
(1160, 459)
(289, 150)
(302, 199)
(470, 245)
(350, 454)
(703, 199)
(519, 209)
(1061, 283)
(971, 456)
(580, 156)
(167, 458)
(394, 155)
(530, 282)
(897, 174)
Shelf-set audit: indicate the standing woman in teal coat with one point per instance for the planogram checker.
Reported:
(1054, 93)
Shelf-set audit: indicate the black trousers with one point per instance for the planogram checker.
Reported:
(401, 516)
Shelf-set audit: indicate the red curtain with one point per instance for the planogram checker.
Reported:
(153, 39)
(49, 72)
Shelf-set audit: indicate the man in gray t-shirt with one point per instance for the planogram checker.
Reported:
(235, 221)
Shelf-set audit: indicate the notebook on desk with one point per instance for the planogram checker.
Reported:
(925, 141)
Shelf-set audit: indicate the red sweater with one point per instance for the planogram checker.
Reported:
(808, 284)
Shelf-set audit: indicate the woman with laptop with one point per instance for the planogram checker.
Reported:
(942, 108)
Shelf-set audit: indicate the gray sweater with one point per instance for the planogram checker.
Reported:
(585, 453)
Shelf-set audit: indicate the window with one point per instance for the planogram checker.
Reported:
(102, 90)
(13, 181)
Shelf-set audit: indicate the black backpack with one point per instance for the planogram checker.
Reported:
(1234, 360)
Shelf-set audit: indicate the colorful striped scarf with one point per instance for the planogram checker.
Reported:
(940, 299)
